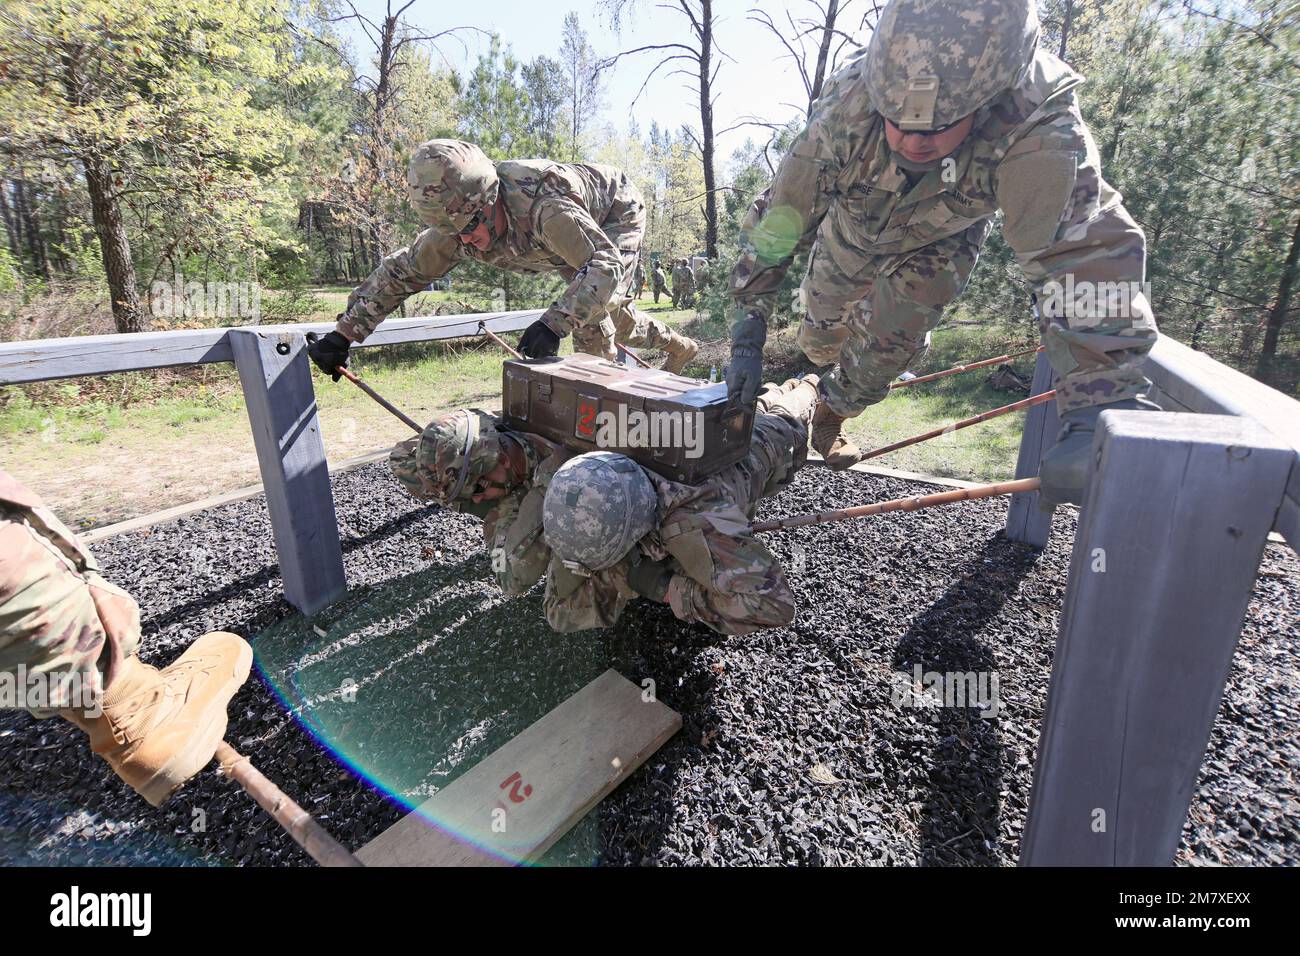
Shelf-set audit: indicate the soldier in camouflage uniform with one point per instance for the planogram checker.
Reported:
(699, 557)
(683, 284)
(660, 281)
(582, 221)
(638, 281)
(951, 114)
(68, 642)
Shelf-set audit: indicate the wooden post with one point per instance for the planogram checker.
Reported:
(1025, 520)
(1168, 545)
(276, 379)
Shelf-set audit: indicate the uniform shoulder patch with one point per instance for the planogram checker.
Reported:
(1034, 191)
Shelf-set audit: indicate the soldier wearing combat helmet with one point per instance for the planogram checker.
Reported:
(950, 115)
(604, 530)
(582, 221)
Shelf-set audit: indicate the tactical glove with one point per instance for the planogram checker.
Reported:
(329, 352)
(540, 340)
(650, 578)
(745, 373)
(1064, 469)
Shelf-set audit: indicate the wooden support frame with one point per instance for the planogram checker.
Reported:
(276, 379)
(290, 452)
(1026, 521)
(1165, 557)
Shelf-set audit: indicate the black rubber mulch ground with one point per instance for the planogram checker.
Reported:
(792, 750)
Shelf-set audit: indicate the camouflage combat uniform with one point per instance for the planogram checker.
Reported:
(582, 221)
(660, 282)
(638, 280)
(891, 248)
(683, 285)
(57, 615)
(723, 575)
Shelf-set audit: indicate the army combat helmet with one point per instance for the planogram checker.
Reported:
(450, 182)
(446, 461)
(932, 62)
(597, 507)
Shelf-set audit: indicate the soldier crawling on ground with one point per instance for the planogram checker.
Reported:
(580, 220)
(604, 530)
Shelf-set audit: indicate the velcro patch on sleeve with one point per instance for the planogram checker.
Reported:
(1034, 191)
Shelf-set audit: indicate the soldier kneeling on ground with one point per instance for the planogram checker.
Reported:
(65, 629)
(604, 530)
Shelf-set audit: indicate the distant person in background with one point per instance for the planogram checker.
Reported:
(660, 281)
(638, 281)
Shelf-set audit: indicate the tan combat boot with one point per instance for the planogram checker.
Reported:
(158, 728)
(680, 350)
(829, 439)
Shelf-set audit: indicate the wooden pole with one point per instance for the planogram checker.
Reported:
(636, 358)
(964, 423)
(482, 327)
(380, 399)
(956, 369)
(900, 504)
(297, 822)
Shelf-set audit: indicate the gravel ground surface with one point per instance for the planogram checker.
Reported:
(792, 749)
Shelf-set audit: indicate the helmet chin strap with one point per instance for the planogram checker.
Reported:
(471, 435)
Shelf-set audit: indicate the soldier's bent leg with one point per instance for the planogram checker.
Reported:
(886, 334)
(597, 339)
(58, 619)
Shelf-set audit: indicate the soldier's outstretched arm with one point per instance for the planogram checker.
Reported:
(732, 582)
(1086, 258)
(401, 274)
(568, 230)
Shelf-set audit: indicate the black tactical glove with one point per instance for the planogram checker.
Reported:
(745, 373)
(329, 352)
(649, 578)
(1064, 469)
(540, 340)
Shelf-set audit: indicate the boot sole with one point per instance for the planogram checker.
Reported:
(176, 772)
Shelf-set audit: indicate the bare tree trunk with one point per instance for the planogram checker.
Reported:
(706, 131)
(1281, 306)
(823, 53)
(11, 226)
(31, 226)
(114, 245)
(1067, 18)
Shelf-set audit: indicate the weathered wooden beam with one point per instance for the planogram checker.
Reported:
(1169, 541)
(511, 807)
(37, 360)
(1026, 522)
(276, 379)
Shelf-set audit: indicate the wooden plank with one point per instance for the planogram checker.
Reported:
(519, 800)
(1201, 384)
(37, 360)
(1147, 635)
(1026, 521)
(274, 374)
